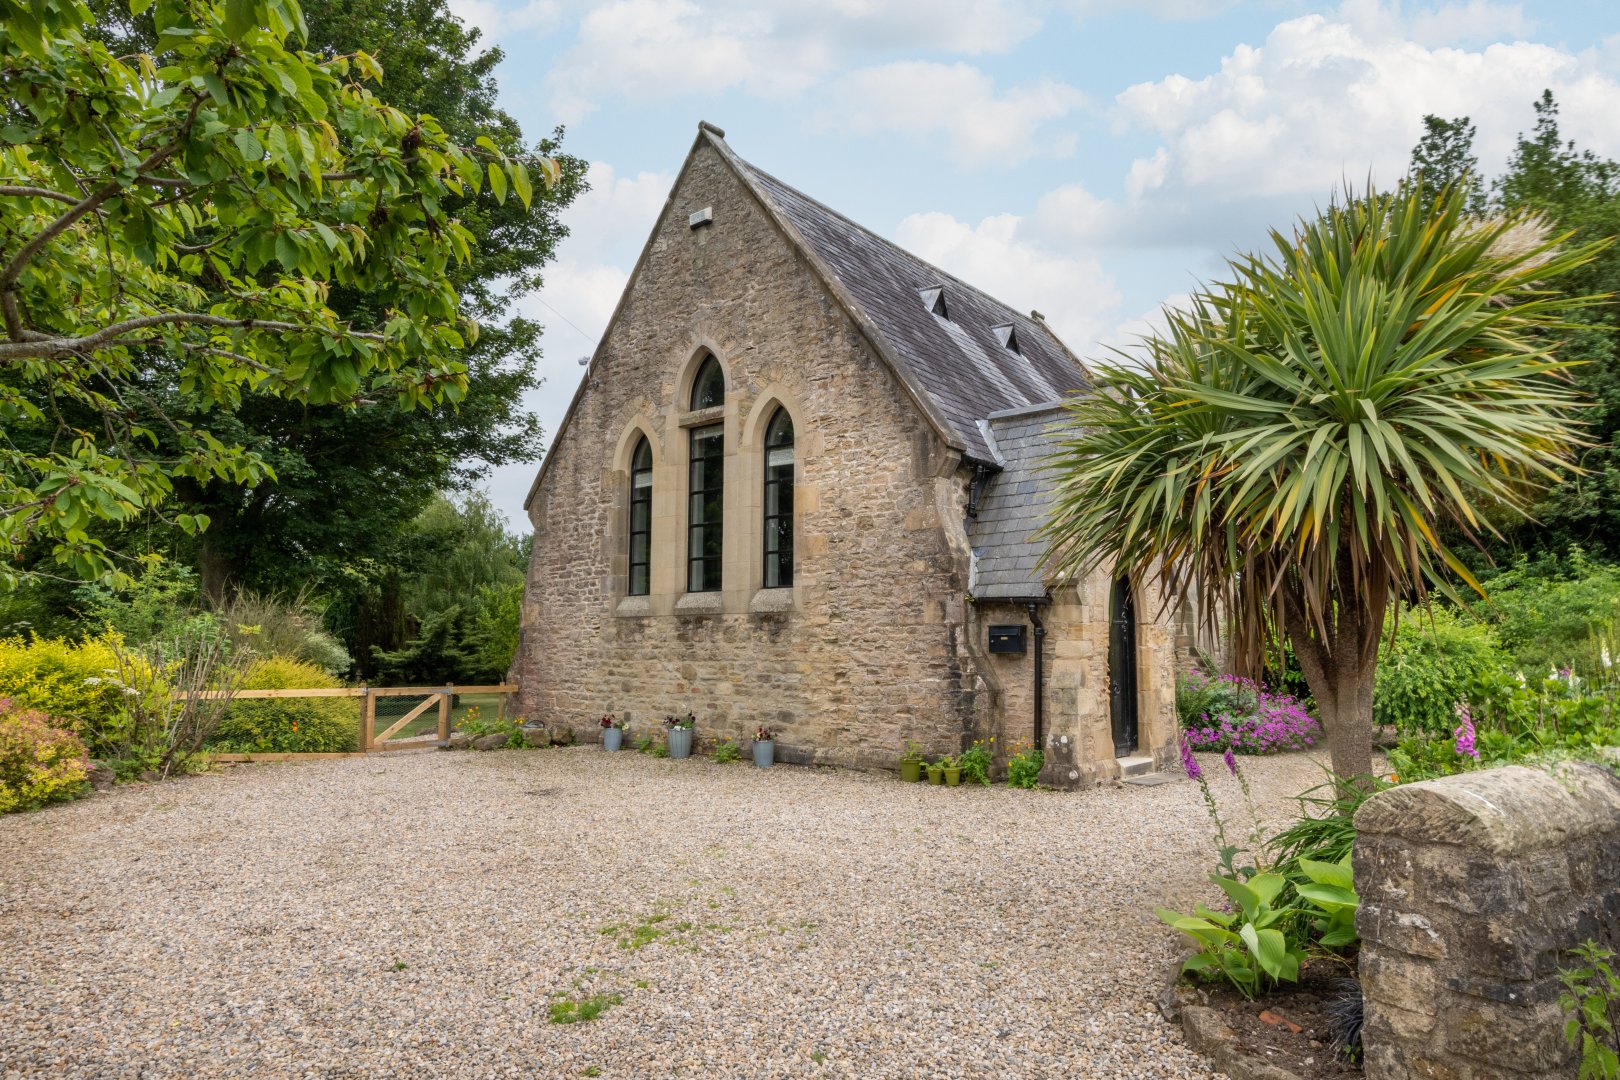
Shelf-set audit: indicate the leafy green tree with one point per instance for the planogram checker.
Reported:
(182, 225)
(1304, 429)
(350, 479)
(1581, 192)
(1444, 158)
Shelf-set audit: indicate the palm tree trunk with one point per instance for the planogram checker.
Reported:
(1340, 669)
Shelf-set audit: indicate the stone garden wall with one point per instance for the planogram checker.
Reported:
(1473, 889)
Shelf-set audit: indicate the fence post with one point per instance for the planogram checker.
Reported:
(445, 698)
(368, 719)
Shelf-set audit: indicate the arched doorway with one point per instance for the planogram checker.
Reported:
(1122, 667)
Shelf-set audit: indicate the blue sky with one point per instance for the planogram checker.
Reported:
(1088, 159)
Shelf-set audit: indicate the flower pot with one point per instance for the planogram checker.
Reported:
(911, 771)
(612, 738)
(764, 752)
(680, 742)
(936, 774)
(953, 777)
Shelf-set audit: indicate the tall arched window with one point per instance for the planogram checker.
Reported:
(641, 519)
(709, 387)
(705, 495)
(779, 501)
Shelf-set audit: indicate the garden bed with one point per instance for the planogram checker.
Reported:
(1290, 1028)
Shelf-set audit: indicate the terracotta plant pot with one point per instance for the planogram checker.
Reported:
(936, 774)
(911, 771)
(953, 777)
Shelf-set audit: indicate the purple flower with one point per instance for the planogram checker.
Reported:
(1465, 732)
(1231, 761)
(1190, 763)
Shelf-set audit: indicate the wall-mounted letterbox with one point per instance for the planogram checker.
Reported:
(1007, 639)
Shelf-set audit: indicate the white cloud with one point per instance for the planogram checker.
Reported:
(920, 98)
(645, 50)
(1078, 299)
(497, 21)
(1469, 22)
(1321, 102)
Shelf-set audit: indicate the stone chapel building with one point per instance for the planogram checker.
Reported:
(797, 487)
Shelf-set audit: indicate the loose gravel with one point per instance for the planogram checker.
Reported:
(418, 915)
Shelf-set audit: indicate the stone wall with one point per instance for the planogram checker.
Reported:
(1473, 890)
(862, 652)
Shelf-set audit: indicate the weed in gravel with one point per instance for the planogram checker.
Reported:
(569, 1011)
(641, 984)
(591, 1070)
(399, 965)
(727, 752)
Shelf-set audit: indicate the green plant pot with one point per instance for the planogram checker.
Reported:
(936, 774)
(953, 777)
(911, 771)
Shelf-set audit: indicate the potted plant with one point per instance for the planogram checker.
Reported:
(680, 734)
(764, 746)
(953, 770)
(612, 732)
(911, 762)
(936, 771)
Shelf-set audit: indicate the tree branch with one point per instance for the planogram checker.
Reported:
(49, 348)
(38, 193)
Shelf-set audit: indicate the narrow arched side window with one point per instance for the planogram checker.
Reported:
(709, 386)
(779, 501)
(641, 519)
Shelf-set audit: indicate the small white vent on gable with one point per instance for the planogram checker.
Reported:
(1007, 336)
(933, 299)
(702, 217)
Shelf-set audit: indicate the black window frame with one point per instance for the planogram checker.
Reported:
(641, 469)
(705, 508)
(778, 524)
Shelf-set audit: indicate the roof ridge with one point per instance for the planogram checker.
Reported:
(846, 219)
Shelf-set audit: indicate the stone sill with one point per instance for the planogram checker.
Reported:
(699, 418)
(632, 607)
(700, 603)
(767, 600)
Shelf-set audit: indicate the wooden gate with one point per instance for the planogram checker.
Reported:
(371, 740)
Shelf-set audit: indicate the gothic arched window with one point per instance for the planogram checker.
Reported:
(779, 501)
(709, 387)
(641, 519)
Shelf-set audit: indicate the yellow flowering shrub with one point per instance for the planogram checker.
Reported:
(74, 682)
(39, 763)
(288, 725)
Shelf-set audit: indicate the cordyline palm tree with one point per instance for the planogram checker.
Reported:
(1303, 435)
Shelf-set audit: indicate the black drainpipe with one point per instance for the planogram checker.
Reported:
(1040, 641)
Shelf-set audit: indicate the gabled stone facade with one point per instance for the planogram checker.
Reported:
(877, 640)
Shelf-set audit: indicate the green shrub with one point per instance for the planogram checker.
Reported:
(1546, 613)
(975, 762)
(77, 683)
(288, 725)
(289, 628)
(39, 762)
(1024, 768)
(1433, 662)
(727, 752)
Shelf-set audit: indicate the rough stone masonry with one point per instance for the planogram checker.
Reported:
(1474, 889)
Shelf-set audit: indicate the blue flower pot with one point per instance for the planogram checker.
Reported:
(764, 752)
(612, 738)
(680, 742)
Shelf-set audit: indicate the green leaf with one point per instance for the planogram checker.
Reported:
(248, 145)
(497, 181)
(241, 17)
(1338, 874)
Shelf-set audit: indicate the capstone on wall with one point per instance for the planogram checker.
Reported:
(862, 652)
(1474, 888)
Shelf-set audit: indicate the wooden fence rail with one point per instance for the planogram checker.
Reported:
(369, 739)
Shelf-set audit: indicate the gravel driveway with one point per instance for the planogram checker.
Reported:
(418, 915)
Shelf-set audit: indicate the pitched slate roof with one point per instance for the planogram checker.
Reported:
(1013, 506)
(956, 363)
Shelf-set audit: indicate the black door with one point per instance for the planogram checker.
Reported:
(1122, 667)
